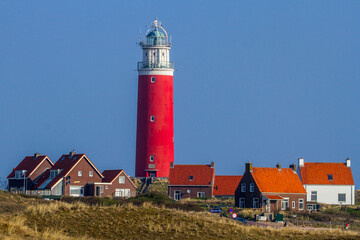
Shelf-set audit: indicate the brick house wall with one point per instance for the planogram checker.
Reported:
(75, 180)
(194, 190)
(274, 205)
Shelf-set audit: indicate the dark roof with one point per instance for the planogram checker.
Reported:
(226, 185)
(66, 162)
(30, 163)
(110, 175)
(317, 173)
(274, 180)
(202, 175)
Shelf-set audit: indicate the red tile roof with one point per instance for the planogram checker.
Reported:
(110, 175)
(226, 185)
(66, 163)
(202, 175)
(30, 163)
(317, 173)
(273, 180)
(273, 197)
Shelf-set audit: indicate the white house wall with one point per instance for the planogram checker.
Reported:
(328, 194)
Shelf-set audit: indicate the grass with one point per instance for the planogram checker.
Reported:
(143, 217)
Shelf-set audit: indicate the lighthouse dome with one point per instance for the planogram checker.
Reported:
(155, 33)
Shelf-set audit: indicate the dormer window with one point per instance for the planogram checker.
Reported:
(191, 178)
(18, 174)
(330, 177)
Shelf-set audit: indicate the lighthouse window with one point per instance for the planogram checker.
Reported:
(152, 119)
(153, 79)
(152, 158)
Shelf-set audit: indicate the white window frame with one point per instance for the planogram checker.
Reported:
(257, 201)
(152, 118)
(339, 197)
(241, 200)
(252, 187)
(80, 190)
(313, 194)
(293, 204)
(152, 80)
(91, 173)
(152, 158)
(122, 179)
(177, 193)
(285, 204)
(79, 173)
(301, 204)
(18, 174)
(200, 194)
(243, 187)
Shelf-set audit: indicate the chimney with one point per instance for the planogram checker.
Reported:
(171, 164)
(278, 166)
(212, 165)
(301, 162)
(348, 162)
(36, 155)
(72, 153)
(293, 167)
(248, 167)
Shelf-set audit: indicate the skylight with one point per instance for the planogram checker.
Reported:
(330, 177)
(191, 178)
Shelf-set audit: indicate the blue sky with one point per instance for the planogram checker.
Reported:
(265, 81)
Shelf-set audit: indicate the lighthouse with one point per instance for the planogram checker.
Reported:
(155, 113)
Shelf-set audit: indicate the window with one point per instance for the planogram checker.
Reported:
(342, 197)
(152, 118)
(293, 204)
(255, 202)
(251, 188)
(177, 195)
(106, 187)
(54, 173)
(122, 179)
(314, 196)
(284, 204)
(101, 189)
(301, 204)
(76, 191)
(200, 194)
(152, 158)
(191, 178)
(91, 174)
(330, 177)
(243, 187)
(18, 174)
(79, 173)
(152, 79)
(241, 202)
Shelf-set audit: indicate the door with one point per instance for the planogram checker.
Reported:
(177, 195)
(152, 174)
(97, 191)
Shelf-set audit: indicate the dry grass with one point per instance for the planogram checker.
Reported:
(68, 221)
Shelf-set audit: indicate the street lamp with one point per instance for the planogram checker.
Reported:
(188, 191)
(23, 172)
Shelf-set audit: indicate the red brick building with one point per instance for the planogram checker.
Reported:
(116, 183)
(225, 186)
(188, 181)
(25, 175)
(69, 176)
(270, 189)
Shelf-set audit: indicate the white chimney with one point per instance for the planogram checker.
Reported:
(348, 162)
(301, 162)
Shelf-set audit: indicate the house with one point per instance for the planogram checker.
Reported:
(225, 186)
(25, 175)
(188, 181)
(329, 183)
(116, 183)
(270, 189)
(69, 176)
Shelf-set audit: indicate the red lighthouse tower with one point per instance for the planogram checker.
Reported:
(155, 114)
